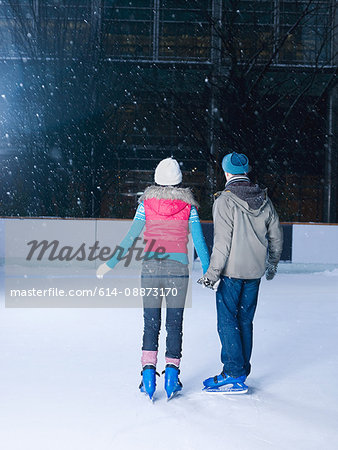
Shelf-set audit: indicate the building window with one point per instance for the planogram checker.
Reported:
(298, 31)
(127, 28)
(46, 28)
(249, 29)
(64, 27)
(184, 30)
(309, 42)
(11, 43)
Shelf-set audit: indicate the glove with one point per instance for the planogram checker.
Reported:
(270, 272)
(205, 282)
(102, 270)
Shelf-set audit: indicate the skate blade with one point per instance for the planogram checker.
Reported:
(173, 395)
(151, 399)
(227, 389)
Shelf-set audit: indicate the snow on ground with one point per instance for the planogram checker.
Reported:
(69, 378)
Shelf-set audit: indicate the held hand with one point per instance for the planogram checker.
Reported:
(102, 270)
(270, 271)
(205, 282)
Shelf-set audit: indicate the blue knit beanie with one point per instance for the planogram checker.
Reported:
(235, 163)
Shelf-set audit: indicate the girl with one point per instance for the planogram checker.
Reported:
(167, 212)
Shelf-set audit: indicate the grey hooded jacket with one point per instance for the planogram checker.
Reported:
(247, 232)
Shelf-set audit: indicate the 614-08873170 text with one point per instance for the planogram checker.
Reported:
(135, 292)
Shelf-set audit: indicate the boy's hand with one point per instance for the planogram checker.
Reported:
(270, 271)
(205, 282)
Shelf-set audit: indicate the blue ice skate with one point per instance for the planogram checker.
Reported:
(172, 384)
(148, 383)
(225, 384)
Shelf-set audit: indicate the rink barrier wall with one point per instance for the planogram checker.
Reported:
(303, 242)
(306, 243)
(68, 231)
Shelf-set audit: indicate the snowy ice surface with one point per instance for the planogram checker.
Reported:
(69, 377)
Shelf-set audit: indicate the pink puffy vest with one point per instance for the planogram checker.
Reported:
(167, 224)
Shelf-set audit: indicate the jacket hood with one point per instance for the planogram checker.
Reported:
(170, 200)
(249, 197)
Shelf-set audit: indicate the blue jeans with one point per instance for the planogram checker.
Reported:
(171, 277)
(236, 302)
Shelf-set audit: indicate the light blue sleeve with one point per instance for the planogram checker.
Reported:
(134, 231)
(198, 238)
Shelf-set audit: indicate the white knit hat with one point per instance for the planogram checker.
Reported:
(168, 172)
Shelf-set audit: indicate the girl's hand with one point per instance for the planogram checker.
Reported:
(205, 282)
(102, 270)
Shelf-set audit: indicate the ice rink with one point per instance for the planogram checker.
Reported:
(69, 377)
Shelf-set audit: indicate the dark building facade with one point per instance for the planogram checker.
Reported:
(96, 93)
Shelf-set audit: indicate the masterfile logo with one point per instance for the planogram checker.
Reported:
(54, 251)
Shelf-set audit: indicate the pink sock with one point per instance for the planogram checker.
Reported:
(174, 361)
(149, 357)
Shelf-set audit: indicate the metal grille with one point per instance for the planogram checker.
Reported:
(296, 32)
(128, 28)
(184, 31)
(290, 32)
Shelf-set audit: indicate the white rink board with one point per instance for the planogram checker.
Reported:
(315, 244)
(311, 243)
(70, 232)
